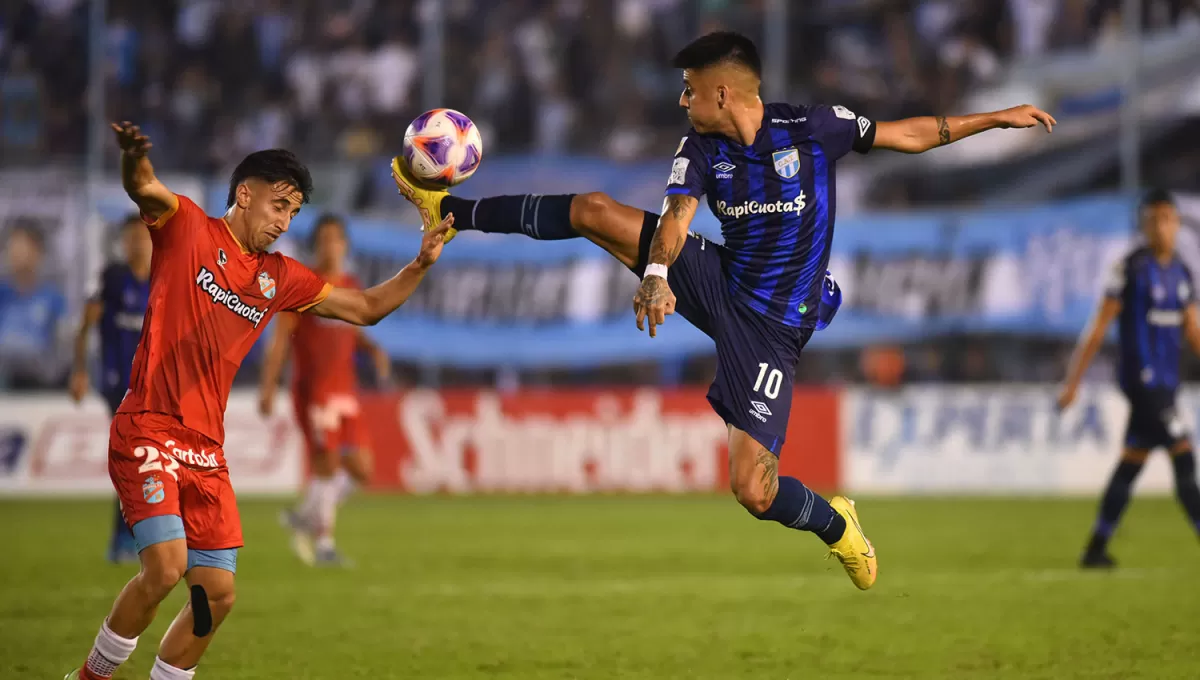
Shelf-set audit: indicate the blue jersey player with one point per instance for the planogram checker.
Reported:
(767, 171)
(117, 307)
(1151, 294)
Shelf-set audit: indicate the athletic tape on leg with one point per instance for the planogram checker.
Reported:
(202, 622)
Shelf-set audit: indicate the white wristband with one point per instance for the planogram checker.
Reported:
(659, 270)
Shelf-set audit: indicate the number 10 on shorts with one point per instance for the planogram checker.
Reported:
(774, 379)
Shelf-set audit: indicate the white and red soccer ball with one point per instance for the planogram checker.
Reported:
(442, 147)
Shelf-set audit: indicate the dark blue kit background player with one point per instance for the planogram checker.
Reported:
(117, 308)
(767, 173)
(1151, 294)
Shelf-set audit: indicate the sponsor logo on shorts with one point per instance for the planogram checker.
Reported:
(205, 279)
(153, 490)
(760, 410)
(190, 457)
(795, 205)
(1164, 317)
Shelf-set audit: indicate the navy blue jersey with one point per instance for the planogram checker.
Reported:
(124, 298)
(775, 201)
(1150, 327)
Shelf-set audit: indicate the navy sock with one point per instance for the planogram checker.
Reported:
(545, 218)
(1186, 489)
(796, 506)
(122, 537)
(1116, 497)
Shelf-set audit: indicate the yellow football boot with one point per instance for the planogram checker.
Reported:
(427, 201)
(853, 550)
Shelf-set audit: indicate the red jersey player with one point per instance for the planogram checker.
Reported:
(213, 290)
(325, 399)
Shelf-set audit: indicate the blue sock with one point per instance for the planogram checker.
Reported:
(1186, 489)
(545, 218)
(796, 506)
(1116, 498)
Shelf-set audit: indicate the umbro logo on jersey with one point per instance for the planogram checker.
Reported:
(228, 299)
(724, 170)
(221, 258)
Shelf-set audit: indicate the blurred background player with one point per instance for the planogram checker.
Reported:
(220, 288)
(117, 306)
(31, 309)
(1152, 295)
(325, 399)
(768, 173)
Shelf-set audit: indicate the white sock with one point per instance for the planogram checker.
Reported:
(165, 671)
(109, 651)
(327, 502)
(345, 485)
(308, 506)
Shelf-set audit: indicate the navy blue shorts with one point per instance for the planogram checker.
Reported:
(1153, 421)
(756, 357)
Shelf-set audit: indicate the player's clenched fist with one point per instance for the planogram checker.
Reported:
(653, 302)
(432, 242)
(130, 139)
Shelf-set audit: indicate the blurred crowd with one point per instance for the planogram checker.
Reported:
(340, 79)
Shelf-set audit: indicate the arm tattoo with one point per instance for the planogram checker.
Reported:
(675, 207)
(943, 130)
(770, 474)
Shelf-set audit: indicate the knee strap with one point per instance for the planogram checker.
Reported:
(202, 621)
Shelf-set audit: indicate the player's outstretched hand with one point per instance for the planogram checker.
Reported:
(432, 242)
(653, 302)
(131, 140)
(1025, 116)
(1066, 397)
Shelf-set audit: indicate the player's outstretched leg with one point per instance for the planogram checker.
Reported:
(212, 596)
(163, 566)
(595, 216)
(1183, 461)
(1112, 505)
(755, 481)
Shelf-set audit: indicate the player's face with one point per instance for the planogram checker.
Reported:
(702, 98)
(1160, 224)
(269, 211)
(137, 244)
(23, 253)
(330, 246)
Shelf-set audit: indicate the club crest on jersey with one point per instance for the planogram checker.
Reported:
(267, 285)
(153, 490)
(787, 163)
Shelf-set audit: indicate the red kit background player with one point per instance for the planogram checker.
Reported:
(213, 290)
(325, 400)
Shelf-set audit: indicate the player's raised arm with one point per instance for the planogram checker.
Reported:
(368, 307)
(916, 135)
(1093, 335)
(274, 361)
(654, 299)
(137, 174)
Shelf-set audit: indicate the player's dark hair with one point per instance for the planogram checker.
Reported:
(325, 221)
(1156, 196)
(721, 47)
(271, 166)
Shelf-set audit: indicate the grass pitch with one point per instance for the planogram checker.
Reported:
(640, 587)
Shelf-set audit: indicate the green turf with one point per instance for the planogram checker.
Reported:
(628, 587)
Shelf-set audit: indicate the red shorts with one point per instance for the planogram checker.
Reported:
(331, 423)
(159, 467)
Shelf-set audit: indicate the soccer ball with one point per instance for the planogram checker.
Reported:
(442, 147)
